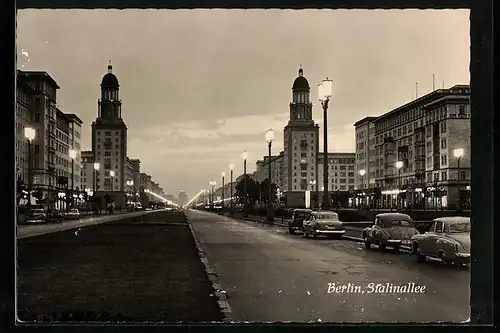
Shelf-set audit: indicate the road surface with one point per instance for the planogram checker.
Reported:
(269, 275)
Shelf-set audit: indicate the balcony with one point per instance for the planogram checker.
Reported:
(389, 177)
(388, 151)
(388, 139)
(419, 158)
(403, 148)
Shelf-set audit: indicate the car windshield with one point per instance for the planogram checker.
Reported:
(327, 217)
(301, 215)
(456, 228)
(73, 211)
(38, 211)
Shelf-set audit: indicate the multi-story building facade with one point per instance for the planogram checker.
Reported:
(423, 136)
(87, 171)
(262, 169)
(24, 119)
(43, 88)
(365, 153)
(341, 172)
(301, 137)
(109, 141)
(74, 137)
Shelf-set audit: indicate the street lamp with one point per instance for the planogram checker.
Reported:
(223, 175)
(212, 184)
(270, 208)
(112, 174)
(324, 95)
(72, 155)
(458, 153)
(399, 166)
(362, 173)
(29, 134)
(231, 167)
(314, 188)
(244, 156)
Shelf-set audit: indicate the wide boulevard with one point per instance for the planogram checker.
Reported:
(269, 275)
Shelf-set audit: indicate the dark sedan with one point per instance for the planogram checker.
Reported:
(298, 217)
(323, 223)
(390, 230)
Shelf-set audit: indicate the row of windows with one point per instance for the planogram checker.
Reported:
(303, 187)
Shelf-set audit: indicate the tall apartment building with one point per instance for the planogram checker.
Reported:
(423, 135)
(341, 172)
(262, 169)
(301, 137)
(43, 88)
(75, 137)
(109, 141)
(24, 119)
(132, 174)
(365, 153)
(87, 171)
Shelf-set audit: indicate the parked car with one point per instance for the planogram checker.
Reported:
(323, 223)
(36, 215)
(390, 230)
(54, 215)
(72, 214)
(298, 218)
(448, 240)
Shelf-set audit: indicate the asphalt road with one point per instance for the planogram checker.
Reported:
(271, 276)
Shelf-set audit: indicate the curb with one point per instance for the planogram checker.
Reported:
(212, 276)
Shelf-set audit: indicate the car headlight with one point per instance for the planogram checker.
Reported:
(457, 247)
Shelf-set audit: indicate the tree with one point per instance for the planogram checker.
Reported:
(253, 190)
(264, 190)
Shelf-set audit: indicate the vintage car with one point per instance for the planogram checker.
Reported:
(298, 217)
(448, 240)
(54, 215)
(36, 215)
(390, 230)
(323, 223)
(72, 214)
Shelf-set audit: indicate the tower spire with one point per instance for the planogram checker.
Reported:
(301, 71)
(110, 68)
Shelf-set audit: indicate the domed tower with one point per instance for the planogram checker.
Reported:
(109, 141)
(301, 138)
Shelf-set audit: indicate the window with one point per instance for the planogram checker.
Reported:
(443, 176)
(107, 133)
(37, 118)
(461, 110)
(439, 226)
(443, 143)
(444, 159)
(443, 127)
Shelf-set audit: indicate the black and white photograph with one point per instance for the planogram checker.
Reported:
(243, 166)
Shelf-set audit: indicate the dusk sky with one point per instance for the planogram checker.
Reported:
(201, 86)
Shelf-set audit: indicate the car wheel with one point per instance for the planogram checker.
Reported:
(381, 245)
(291, 231)
(368, 245)
(420, 256)
(315, 235)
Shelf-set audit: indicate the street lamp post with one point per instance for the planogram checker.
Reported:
(29, 134)
(270, 208)
(324, 95)
(96, 172)
(231, 167)
(72, 155)
(314, 189)
(399, 166)
(223, 176)
(244, 156)
(362, 173)
(212, 184)
(458, 153)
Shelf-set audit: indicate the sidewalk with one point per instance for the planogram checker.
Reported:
(131, 270)
(30, 230)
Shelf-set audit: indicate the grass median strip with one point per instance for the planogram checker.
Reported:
(115, 271)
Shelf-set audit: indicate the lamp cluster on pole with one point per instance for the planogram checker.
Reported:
(324, 95)
(223, 175)
(231, 168)
(244, 157)
(29, 134)
(270, 208)
(362, 173)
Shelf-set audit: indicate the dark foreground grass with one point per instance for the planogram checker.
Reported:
(128, 270)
